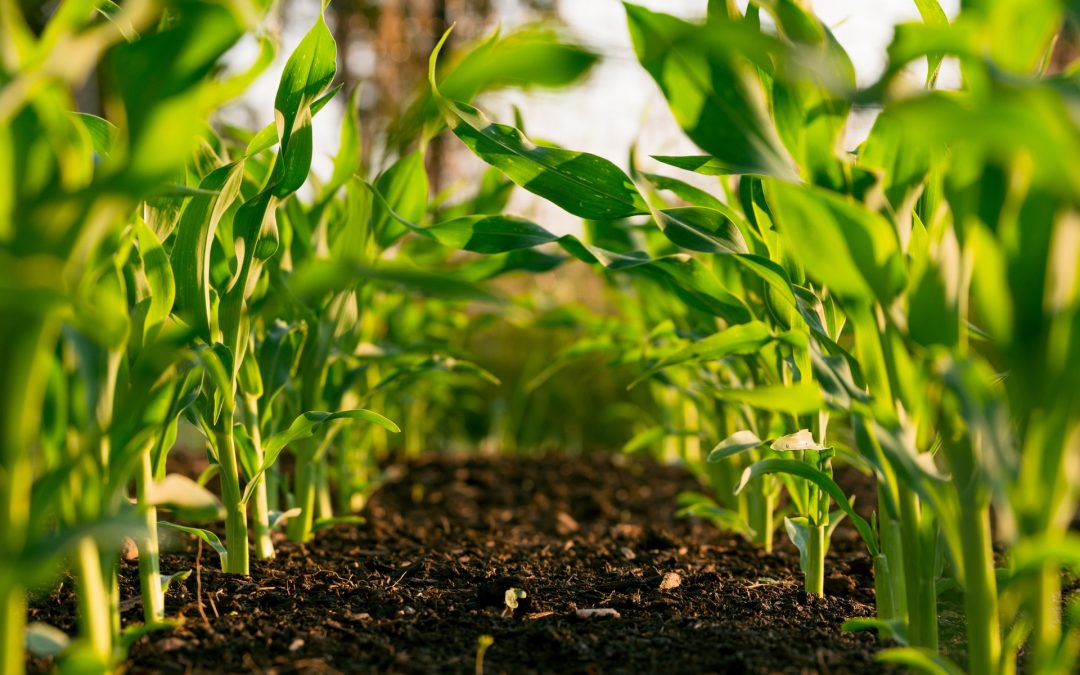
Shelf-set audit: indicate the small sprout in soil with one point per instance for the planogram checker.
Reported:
(483, 643)
(511, 600)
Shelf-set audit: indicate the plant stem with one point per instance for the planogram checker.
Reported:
(815, 566)
(26, 341)
(149, 558)
(260, 510)
(235, 513)
(95, 622)
(980, 591)
(892, 549)
(299, 528)
(921, 592)
(12, 626)
(1045, 597)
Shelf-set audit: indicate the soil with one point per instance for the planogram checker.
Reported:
(414, 588)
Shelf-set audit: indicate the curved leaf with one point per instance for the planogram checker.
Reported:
(802, 470)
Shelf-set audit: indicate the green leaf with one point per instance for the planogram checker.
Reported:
(703, 164)
(185, 498)
(45, 641)
(890, 630)
(278, 518)
(305, 426)
(307, 74)
(932, 15)
(852, 250)
(191, 250)
(207, 536)
(583, 184)
(736, 443)
(490, 234)
(530, 56)
(700, 506)
(322, 523)
(747, 338)
(404, 191)
(168, 579)
(801, 398)
(159, 277)
(803, 470)
(919, 660)
(697, 228)
(798, 531)
(102, 131)
(711, 88)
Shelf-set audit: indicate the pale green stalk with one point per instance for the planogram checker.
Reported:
(236, 529)
(94, 604)
(260, 511)
(149, 556)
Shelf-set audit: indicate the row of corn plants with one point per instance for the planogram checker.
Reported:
(161, 272)
(912, 306)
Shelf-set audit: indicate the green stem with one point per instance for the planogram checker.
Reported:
(260, 509)
(95, 622)
(149, 557)
(26, 342)
(884, 589)
(815, 566)
(980, 591)
(892, 548)
(1045, 598)
(299, 528)
(12, 626)
(921, 591)
(236, 529)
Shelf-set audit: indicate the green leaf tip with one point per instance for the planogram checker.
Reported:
(434, 58)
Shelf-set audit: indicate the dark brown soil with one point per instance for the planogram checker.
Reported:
(413, 589)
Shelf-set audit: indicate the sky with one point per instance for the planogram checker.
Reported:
(618, 104)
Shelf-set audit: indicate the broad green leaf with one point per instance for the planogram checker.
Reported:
(851, 250)
(307, 75)
(893, 630)
(736, 443)
(805, 471)
(711, 87)
(490, 234)
(690, 194)
(168, 579)
(279, 518)
(186, 498)
(305, 426)
(207, 536)
(102, 132)
(933, 15)
(159, 277)
(532, 56)
(585, 185)
(920, 660)
(747, 338)
(45, 641)
(697, 228)
(802, 398)
(798, 531)
(700, 506)
(404, 191)
(191, 250)
(703, 164)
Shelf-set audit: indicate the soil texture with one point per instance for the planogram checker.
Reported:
(413, 588)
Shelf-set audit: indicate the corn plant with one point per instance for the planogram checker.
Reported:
(900, 253)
